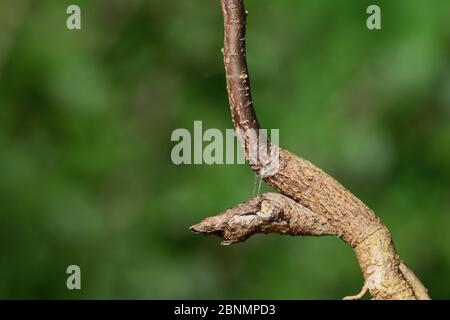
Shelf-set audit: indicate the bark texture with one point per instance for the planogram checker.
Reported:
(311, 202)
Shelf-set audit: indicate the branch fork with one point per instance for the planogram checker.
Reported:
(310, 203)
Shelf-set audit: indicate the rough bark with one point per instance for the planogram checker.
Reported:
(311, 202)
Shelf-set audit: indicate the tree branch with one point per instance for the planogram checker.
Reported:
(314, 203)
(267, 213)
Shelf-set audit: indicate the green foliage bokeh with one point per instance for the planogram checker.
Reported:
(86, 117)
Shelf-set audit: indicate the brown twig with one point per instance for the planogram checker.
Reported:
(267, 213)
(313, 203)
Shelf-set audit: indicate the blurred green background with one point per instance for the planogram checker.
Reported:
(86, 117)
